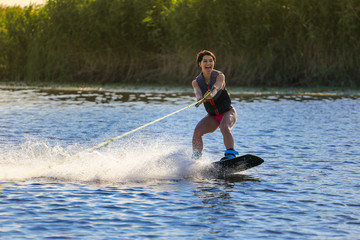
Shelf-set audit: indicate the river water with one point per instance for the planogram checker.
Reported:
(145, 185)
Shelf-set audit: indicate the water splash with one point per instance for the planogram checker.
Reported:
(135, 160)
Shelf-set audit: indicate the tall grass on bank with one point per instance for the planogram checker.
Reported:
(257, 42)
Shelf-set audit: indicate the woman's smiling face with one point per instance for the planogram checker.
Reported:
(207, 64)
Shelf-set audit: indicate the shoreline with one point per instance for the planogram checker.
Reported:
(234, 90)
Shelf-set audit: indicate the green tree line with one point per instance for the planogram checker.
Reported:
(257, 42)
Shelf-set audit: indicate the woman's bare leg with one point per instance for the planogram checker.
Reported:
(227, 123)
(206, 125)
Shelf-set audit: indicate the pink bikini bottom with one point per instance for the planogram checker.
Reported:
(220, 117)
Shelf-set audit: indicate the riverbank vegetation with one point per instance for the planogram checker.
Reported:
(257, 42)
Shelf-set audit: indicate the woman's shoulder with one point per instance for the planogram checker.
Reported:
(194, 83)
(218, 73)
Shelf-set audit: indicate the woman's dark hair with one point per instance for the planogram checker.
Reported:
(203, 53)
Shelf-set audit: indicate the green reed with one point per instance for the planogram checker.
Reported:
(257, 42)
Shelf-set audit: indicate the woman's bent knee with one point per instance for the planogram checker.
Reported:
(225, 129)
(198, 133)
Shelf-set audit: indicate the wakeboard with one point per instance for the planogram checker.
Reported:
(237, 164)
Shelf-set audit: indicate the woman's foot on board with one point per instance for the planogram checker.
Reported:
(196, 156)
(229, 154)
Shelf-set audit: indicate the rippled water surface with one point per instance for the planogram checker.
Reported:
(145, 185)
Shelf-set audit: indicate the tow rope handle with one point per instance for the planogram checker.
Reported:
(202, 100)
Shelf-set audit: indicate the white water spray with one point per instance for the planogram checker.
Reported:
(141, 161)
